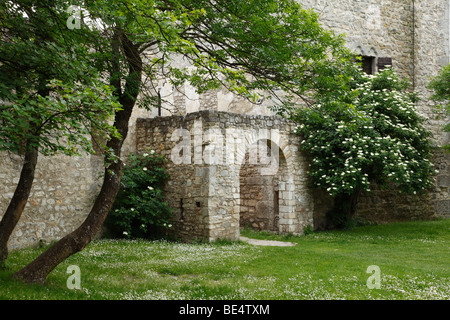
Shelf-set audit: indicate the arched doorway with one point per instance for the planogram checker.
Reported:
(262, 189)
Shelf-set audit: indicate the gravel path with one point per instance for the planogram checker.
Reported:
(267, 242)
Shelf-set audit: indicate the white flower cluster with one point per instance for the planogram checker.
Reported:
(379, 134)
(152, 152)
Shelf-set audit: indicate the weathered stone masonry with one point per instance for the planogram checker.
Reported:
(63, 192)
(206, 190)
(211, 201)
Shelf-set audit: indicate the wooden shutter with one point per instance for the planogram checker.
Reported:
(383, 63)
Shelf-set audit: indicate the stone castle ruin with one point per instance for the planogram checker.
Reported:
(234, 164)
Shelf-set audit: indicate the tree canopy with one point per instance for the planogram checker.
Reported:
(52, 95)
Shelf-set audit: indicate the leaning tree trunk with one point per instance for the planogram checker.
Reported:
(21, 194)
(18, 201)
(38, 270)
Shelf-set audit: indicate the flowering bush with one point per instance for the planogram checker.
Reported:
(139, 210)
(371, 134)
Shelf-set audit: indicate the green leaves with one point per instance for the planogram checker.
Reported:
(60, 123)
(379, 138)
(52, 98)
(441, 88)
(140, 210)
(258, 48)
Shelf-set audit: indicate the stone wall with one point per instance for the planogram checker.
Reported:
(259, 196)
(414, 33)
(374, 28)
(63, 192)
(205, 189)
(431, 53)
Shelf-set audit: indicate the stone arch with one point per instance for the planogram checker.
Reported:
(267, 191)
(366, 51)
(206, 195)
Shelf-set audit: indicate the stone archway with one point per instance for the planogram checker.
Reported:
(260, 196)
(205, 187)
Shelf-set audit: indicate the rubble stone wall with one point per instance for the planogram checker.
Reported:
(415, 34)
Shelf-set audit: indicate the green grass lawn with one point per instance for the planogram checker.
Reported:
(413, 259)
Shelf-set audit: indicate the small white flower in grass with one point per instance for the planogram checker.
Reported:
(152, 151)
(145, 154)
(150, 188)
(145, 169)
(125, 233)
(132, 209)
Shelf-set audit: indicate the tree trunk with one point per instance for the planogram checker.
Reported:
(23, 189)
(38, 270)
(18, 202)
(343, 211)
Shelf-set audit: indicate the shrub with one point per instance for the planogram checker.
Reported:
(371, 134)
(308, 230)
(139, 210)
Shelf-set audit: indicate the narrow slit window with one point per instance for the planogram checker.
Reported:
(181, 210)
